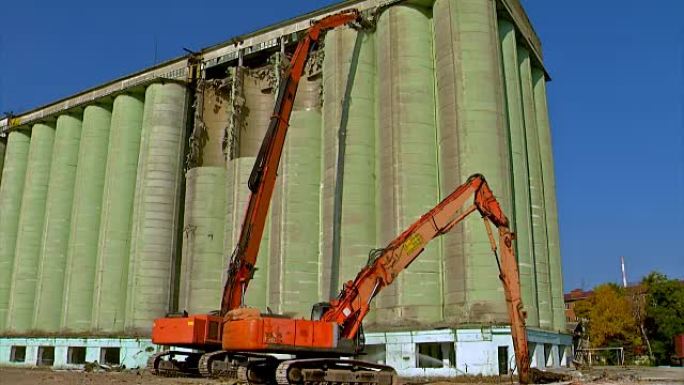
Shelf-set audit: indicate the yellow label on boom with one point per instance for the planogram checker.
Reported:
(414, 242)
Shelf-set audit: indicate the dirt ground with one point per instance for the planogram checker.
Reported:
(595, 376)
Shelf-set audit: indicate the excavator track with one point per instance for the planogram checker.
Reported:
(332, 371)
(257, 368)
(165, 364)
(215, 365)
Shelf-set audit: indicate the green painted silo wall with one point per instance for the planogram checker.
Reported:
(55, 244)
(294, 253)
(408, 182)
(521, 215)
(111, 272)
(30, 234)
(348, 70)
(158, 199)
(539, 222)
(472, 138)
(11, 194)
(203, 261)
(79, 276)
(550, 204)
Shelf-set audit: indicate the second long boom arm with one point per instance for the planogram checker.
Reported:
(353, 303)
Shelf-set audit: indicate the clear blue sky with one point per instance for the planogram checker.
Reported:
(616, 100)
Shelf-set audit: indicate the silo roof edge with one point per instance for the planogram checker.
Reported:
(255, 41)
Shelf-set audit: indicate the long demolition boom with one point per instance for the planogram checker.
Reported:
(263, 176)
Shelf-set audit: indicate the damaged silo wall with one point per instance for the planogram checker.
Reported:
(253, 97)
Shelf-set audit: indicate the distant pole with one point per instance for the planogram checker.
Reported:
(624, 275)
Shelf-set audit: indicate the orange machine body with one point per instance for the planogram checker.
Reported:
(283, 335)
(190, 331)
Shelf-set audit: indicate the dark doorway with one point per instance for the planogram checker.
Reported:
(503, 359)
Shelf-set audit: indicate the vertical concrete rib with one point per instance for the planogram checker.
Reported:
(111, 272)
(55, 244)
(158, 196)
(3, 149)
(540, 244)
(408, 180)
(294, 213)
(550, 204)
(348, 72)
(79, 276)
(521, 214)
(473, 138)
(30, 234)
(11, 194)
(203, 259)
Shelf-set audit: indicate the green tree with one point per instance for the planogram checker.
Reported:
(664, 314)
(610, 319)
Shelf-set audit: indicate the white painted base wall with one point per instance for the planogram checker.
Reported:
(133, 353)
(470, 351)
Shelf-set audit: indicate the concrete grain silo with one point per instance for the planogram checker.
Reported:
(124, 202)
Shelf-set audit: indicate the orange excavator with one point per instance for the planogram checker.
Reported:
(242, 343)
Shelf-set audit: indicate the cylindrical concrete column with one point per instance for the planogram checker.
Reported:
(111, 272)
(408, 181)
(521, 215)
(349, 112)
(540, 244)
(550, 204)
(11, 194)
(294, 267)
(155, 252)
(473, 138)
(30, 234)
(203, 261)
(79, 276)
(55, 244)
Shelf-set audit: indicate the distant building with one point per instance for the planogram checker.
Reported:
(570, 300)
